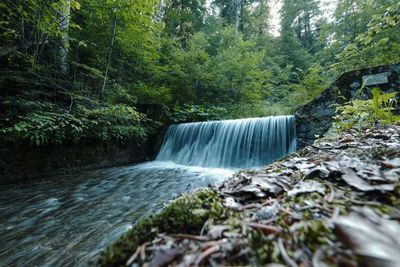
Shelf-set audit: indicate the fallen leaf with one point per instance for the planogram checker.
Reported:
(216, 231)
(163, 257)
(268, 212)
(307, 187)
(319, 171)
(394, 163)
(374, 239)
(352, 179)
(230, 202)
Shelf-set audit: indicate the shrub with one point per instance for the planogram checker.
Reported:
(191, 113)
(365, 113)
(57, 126)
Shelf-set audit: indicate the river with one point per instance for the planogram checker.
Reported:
(68, 220)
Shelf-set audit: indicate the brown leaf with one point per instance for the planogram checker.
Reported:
(307, 187)
(352, 179)
(374, 239)
(394, 163)
(319, 171)
(164, 257)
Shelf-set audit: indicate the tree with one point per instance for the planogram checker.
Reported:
(183, 18)
(64, 14)
(36, 32)
(247, 16)
(379, 45)
(291, 46)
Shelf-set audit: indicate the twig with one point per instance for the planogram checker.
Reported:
(249, 206)
(204, 227)
(360, 202)
(133, 257)
(207, 253)
(143, 252)
(316, 260)
(335, 213)
(191, 237)
(266, 229)
(209, 244)
(331, 196)
(284, 254)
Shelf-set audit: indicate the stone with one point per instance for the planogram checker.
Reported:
(375, 79)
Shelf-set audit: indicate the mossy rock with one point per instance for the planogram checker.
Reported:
(186, 214)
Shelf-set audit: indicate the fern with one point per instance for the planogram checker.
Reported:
(365, 113)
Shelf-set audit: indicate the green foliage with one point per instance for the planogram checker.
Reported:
(192, 113)
(39, 123)
(116, 122)
(309, 87)
(46, 127)
(365, 113)
(361, 41)
(257, 109)
(174, 61)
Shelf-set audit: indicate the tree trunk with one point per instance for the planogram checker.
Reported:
(238, 5)
(241, 15)
(64, 18)
(103, 87)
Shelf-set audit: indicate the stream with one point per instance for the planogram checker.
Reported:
(68, 220)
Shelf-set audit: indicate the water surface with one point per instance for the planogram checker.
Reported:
(67, 220)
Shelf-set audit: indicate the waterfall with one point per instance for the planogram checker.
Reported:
(231, 143)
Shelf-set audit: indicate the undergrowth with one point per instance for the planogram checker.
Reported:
(361, 114)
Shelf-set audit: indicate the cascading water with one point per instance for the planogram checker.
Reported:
(231, 143)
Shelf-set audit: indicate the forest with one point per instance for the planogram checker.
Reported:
(200, 133)
(108, 70)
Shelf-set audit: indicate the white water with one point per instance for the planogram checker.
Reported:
(231, 143)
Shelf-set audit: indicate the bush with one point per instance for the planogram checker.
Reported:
(192, 113)
(258, 109)
(365, 113)
(40, 128)
(40, 124)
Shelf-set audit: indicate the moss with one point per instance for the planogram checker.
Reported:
(186, 214)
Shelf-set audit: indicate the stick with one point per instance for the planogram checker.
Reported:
(284, 254)
(191, 237)
(133, 257)
(207, 253)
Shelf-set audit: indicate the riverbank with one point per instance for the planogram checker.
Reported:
(331, 204)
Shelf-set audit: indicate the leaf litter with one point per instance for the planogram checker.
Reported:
(336, 206)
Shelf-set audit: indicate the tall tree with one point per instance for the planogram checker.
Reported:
(291, 46)
(247, 16)
(183, 18)
(64, 14)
